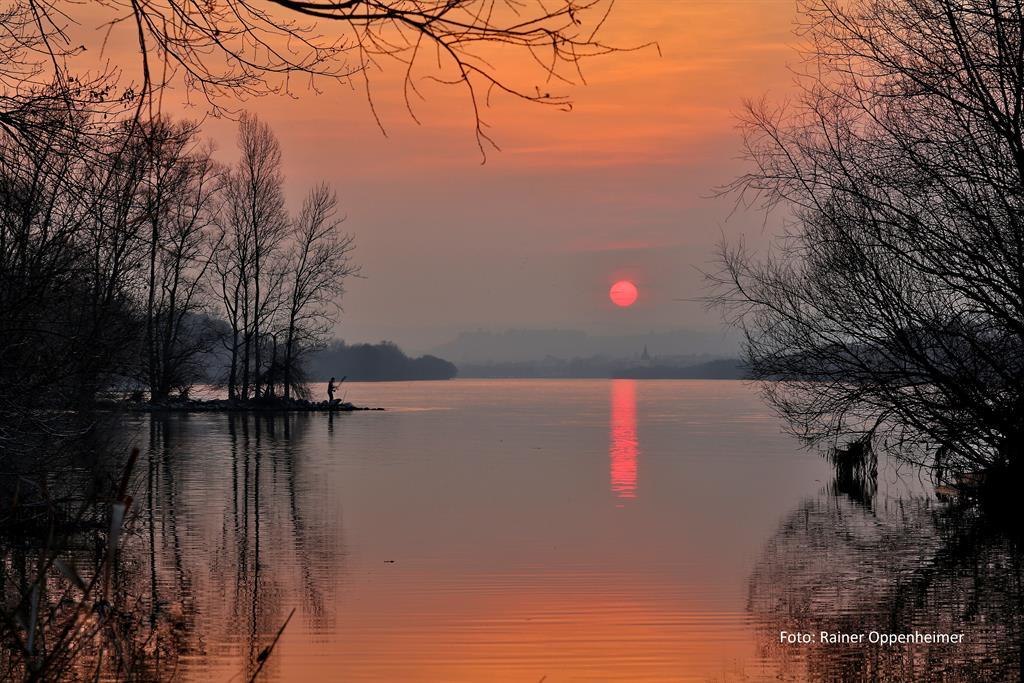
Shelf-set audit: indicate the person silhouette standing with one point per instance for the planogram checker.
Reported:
(330, 391)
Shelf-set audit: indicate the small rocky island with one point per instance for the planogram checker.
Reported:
(267, 405)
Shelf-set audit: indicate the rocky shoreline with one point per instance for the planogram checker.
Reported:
(262, 406)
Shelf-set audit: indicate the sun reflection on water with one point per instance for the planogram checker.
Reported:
(623, 447)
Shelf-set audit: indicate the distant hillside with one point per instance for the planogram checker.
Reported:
(602, 367)
(529, 346)
(375, 363)
(729, 368)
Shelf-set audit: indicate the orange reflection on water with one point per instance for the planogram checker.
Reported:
(623, 446)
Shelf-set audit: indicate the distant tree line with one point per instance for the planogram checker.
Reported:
(121, 245)
(604, 367)
(724, 368)
(376, 362)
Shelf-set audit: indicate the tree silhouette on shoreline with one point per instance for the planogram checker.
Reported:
(892, 308)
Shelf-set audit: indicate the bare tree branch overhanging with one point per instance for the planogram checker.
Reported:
(894, 304)
(226, 51)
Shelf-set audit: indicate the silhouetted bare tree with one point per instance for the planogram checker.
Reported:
(256, 220)
(68, 250)
(230, 50)
(894, 304)
(179, 200)
(319, 263)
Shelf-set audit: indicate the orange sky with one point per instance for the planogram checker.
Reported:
(618, 187)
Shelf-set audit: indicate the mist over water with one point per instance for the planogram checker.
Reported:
(517, 529)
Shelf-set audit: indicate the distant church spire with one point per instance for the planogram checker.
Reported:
(645, 355)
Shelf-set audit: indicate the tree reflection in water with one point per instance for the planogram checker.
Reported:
(258, 536)
(240, 532)
(852, 560)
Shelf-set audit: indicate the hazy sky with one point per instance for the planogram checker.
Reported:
(533, 238)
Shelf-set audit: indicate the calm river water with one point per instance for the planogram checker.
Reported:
(551, 530)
